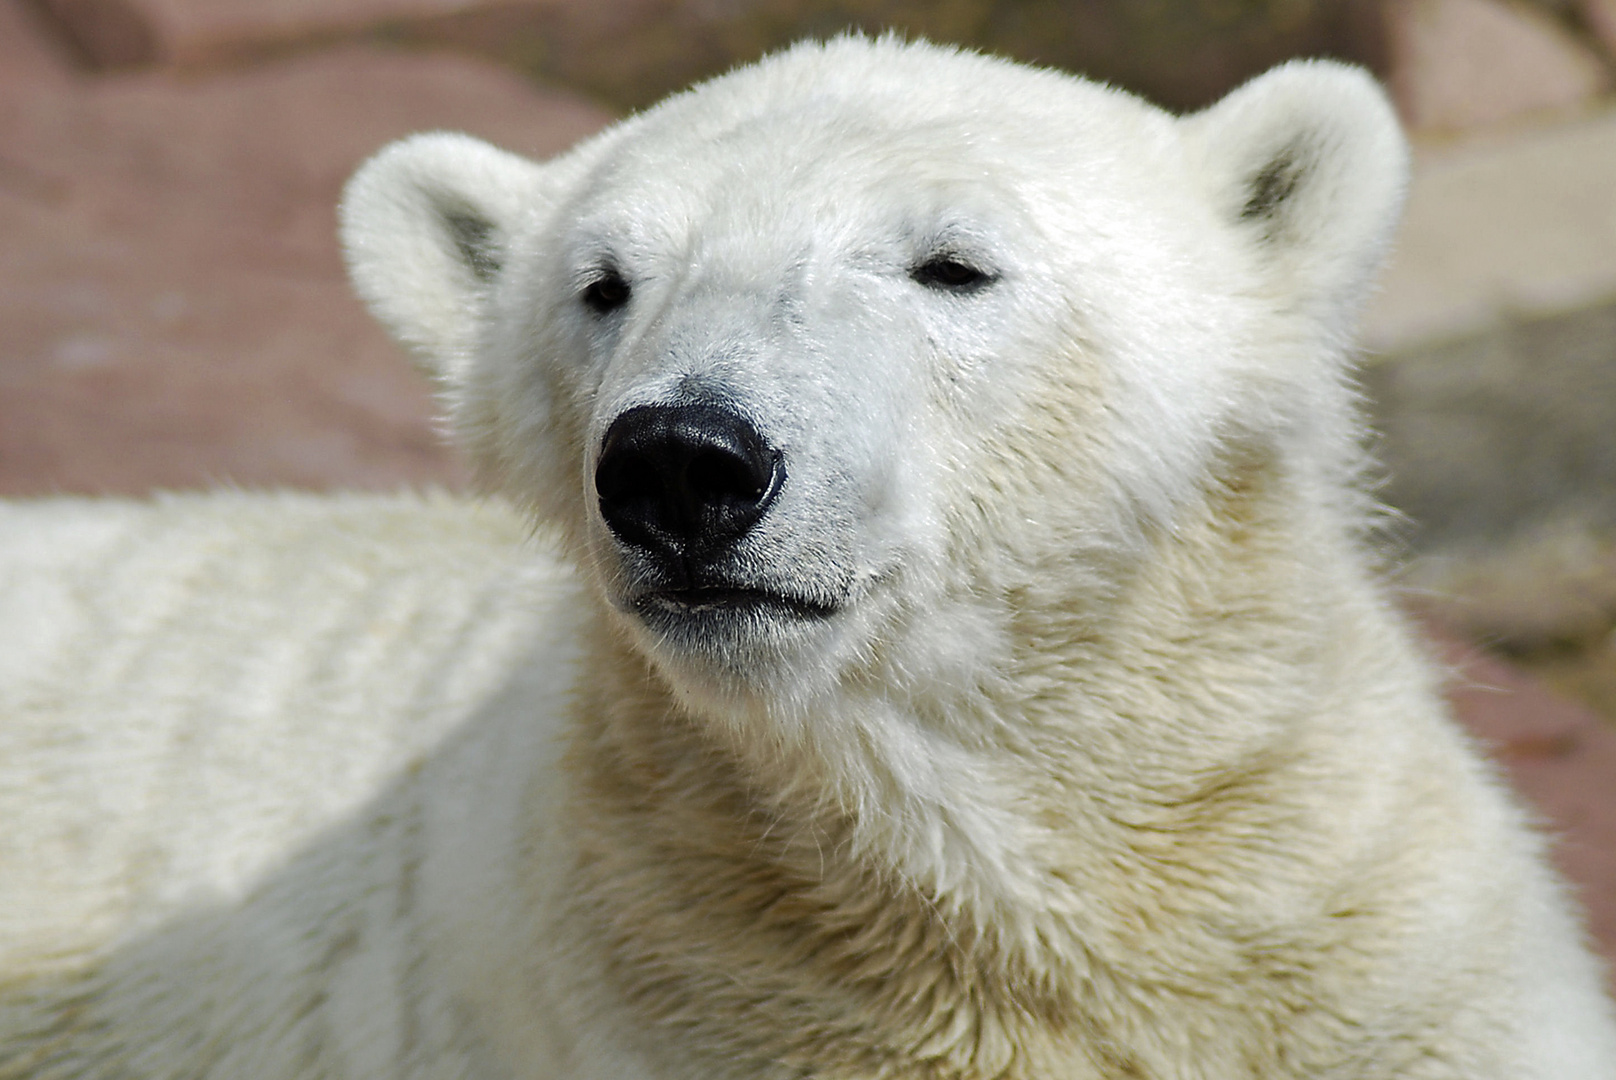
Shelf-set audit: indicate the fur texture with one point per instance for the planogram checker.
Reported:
(1050, 721)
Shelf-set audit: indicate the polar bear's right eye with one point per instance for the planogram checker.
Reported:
(606, 293)
(950, 274)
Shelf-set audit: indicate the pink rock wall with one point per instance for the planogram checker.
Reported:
(173, 309)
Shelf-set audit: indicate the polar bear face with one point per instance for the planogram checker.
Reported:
(834, 361)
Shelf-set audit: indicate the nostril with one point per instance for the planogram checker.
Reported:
(684, 478)
(718, 476)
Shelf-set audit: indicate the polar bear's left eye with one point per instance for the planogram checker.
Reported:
(950, 275)
(607, 292)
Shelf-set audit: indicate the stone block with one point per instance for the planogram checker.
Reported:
(1180, 54)
(30, 51)
(1599, 16)
(173, 309)
(631, 52)
(1501, 228)
(194, 33)
(1455, 65)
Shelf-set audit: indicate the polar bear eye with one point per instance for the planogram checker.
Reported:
(606, 293)
(950, 275)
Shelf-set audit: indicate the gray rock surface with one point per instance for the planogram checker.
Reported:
(1495, 436)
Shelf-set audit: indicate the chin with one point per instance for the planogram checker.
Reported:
(741, 645)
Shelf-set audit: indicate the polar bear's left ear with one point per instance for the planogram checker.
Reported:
(1308, 161)
(425, 224)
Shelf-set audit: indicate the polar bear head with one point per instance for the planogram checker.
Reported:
(847, 358)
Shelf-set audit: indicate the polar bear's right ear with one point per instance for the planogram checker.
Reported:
(425, 225)
(1308, 162)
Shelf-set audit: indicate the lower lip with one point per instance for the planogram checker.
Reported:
(737, 601)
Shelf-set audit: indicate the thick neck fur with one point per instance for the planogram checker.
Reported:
(1100, 852)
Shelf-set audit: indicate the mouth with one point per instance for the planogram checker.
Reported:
(729, 602)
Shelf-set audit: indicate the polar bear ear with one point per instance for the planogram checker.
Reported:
(1309, 163)
(425, 226)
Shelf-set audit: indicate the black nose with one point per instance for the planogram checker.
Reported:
(684, 479)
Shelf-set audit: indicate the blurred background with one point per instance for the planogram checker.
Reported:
(173, 312)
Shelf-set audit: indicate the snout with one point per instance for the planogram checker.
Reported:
(685, 483)
(686, 490)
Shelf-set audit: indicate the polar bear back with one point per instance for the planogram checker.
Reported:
(194, 686)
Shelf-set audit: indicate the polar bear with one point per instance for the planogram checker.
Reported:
(925, 628)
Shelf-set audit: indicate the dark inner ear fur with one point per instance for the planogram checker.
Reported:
(474, 236)
(1268, 190)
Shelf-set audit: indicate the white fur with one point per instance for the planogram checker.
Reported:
(1109, 759)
